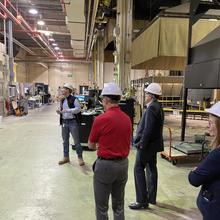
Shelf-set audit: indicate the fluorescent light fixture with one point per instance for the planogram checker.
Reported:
(47, 33)
(213, 19)
(56, 48)
(33, 11)
(51, 39)
(54, 44)
(41, 22)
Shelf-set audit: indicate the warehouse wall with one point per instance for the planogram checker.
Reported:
(77, 74)
(37, 73)
(108, 72)
(21, 71)
(54, 74)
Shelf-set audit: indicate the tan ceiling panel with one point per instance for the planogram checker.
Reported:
(75, 11)
(77, 31)
(77, 44)
(167, 38)
(145, 46)
(79, 53)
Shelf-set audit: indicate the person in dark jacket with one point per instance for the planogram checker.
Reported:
(69, 109)
(207, 174)
(149, 141)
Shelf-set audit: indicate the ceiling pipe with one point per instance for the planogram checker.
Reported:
(94, 12)
(3, 16)
(11, 16)
(63, 60)
(87, 23)
(40, 32)
(63, 5)
(26, 26)
(41, 38)
(20, 44)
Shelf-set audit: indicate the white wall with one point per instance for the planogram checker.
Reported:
(108, 72)
(54, 74)
(77, 74)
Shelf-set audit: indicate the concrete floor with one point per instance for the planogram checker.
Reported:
(34, 187)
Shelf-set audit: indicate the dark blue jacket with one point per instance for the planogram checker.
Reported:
(207, 175)
(149, 135)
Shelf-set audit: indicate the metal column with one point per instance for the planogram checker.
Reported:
(100, 60)
(124, 41)
(197, 9)
(10, 50)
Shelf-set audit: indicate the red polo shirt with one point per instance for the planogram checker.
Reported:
(112, 131)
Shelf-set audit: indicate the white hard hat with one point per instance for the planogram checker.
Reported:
(215, 109)
(111, 89)
(154, 88)
(68, 86)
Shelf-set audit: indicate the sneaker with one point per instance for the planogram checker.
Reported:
(64, 160)
(81, 162)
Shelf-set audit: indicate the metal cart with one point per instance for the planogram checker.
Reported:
(184, 150)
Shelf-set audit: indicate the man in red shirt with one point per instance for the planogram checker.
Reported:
(112, 132)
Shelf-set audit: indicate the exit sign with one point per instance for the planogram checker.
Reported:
(70, 75)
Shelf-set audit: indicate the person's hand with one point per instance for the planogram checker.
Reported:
(194, 168)
(137, 145)
(58, 111)
(64, 110)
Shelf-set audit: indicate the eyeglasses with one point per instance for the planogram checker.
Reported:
(210, 122)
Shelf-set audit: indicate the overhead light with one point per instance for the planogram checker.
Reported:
(41, 22)
(51, 39)
(136, 30)
(47, 33)
(54, 44)
(56, 48)
(33, 11)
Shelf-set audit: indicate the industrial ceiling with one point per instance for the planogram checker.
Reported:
(69, 24)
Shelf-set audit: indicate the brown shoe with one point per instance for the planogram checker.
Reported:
(64, 160)
(81, 162)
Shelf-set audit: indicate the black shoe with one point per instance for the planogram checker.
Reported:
(138, 205)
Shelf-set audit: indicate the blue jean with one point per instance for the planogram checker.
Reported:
(71, 127)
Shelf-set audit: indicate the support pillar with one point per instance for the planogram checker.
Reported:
(100, 61)
(10, 50)
(216, 96)
(123, 42)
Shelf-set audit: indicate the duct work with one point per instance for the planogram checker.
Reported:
(14, 15)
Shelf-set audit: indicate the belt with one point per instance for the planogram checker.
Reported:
(114, 158)
(68, 120)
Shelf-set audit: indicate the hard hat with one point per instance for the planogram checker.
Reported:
(215, 109)
(154, 88)
(68, 86)
(111, 89)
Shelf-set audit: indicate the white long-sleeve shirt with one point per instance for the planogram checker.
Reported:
(69, 114)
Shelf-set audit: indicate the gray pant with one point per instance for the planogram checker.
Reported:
(110, 177)
(71, 127)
